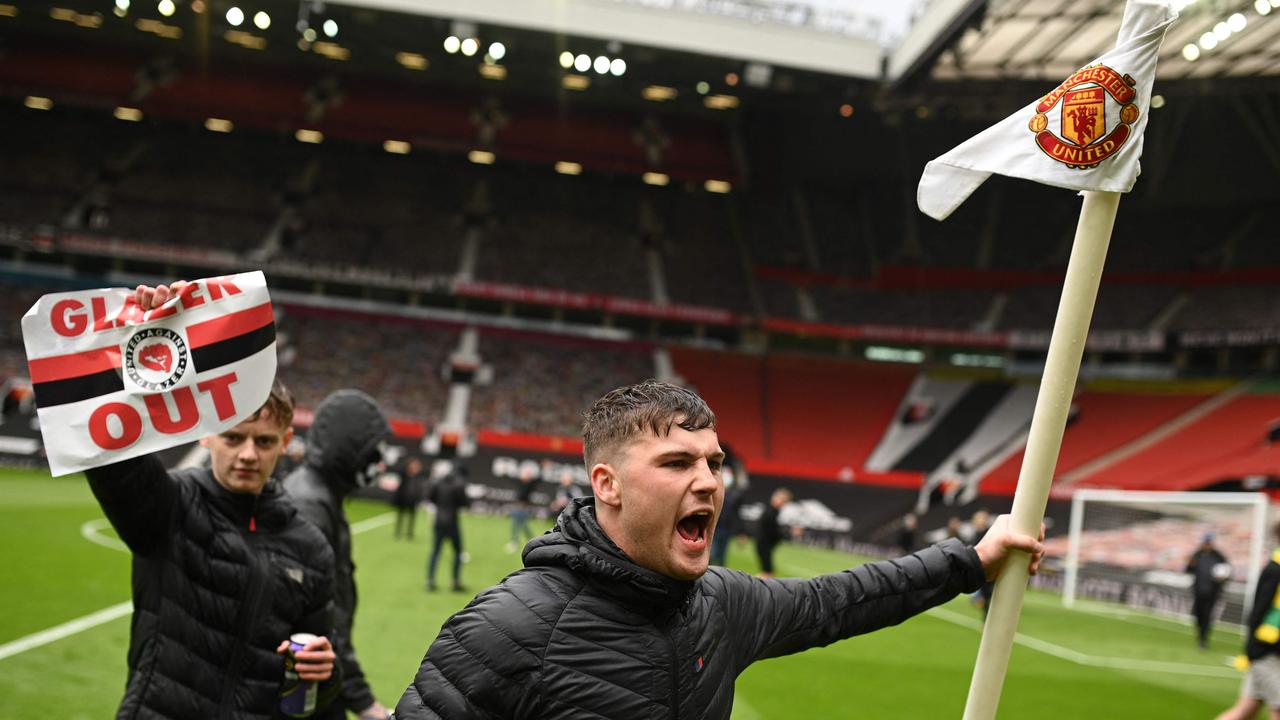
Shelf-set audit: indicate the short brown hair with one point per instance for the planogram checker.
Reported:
(623, 413)
(279, 405)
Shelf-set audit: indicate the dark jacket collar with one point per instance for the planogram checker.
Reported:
(269, 509)
(580, 544)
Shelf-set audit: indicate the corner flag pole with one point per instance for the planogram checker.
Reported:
(1062, 365)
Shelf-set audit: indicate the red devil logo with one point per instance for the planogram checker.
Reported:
(156, 357)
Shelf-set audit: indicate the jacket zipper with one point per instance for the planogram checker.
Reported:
(678, 618)
(675, 679)
(251, 610)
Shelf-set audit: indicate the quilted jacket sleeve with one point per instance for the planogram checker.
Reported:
(780, 617)
(138, 497)
(486, 662)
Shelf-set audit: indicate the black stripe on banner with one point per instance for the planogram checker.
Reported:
(232, 349)
(85, 387)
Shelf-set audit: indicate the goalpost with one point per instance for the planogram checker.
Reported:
(1131, 547)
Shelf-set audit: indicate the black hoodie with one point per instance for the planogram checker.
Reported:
(342, 441)
(583, 632)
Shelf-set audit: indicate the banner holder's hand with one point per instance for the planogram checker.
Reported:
(148, 297)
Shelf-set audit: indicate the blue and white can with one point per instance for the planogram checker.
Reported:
(297, 696)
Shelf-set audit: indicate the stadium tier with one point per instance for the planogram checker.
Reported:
(541, 385)
(1105, 421)
(1231, 439)
(397, 361)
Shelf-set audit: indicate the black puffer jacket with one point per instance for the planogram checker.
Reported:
(219, 579)
(582, 632)
(342, 442)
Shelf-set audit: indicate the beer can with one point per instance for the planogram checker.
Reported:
(297, 696)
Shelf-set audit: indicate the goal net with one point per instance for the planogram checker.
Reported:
(1132, 548)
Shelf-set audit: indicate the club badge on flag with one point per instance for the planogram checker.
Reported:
(1084, 135)
(112, 382)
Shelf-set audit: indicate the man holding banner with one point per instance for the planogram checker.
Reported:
(224, 568)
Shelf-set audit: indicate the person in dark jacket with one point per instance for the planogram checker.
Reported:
(344, 444)
(1262, 647)
(449, 495)
(1206, 567)
(407, 495)
(521, 508)
(565, 493)
(730, 525)
(770, 532)
(616, 612)
(224, 571)
(905, 540)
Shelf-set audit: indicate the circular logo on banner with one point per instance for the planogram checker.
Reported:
(155, 359)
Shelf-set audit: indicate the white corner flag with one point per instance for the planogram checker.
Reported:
(1084, 135)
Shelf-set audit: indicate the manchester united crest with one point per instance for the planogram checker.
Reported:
(1097, 108)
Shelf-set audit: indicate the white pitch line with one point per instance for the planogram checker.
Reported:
(91, 531)
(1135, 616)
(376, 521)
(1080, 658)
(66, 629)
(742, 710)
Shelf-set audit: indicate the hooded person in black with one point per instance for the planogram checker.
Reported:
(346, 439)
(616, 613)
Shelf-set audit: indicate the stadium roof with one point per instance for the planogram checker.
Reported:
(979, 57)
(1048, 39)
(778, 33)
(948, 39)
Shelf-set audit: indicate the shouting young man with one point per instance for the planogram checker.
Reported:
(616, 613)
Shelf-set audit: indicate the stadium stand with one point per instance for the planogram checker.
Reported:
(925, 307)
(564, 232)
(1231, 440)
(1106, 420)
(780, 298)
(733, 384)
(827, 411)
(805, 411)
(1230, 307)
(702, 260)
(542, 384)
(398, 362)
(379, 210)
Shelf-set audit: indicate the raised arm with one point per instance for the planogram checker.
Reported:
(139, 499)
(786, 616)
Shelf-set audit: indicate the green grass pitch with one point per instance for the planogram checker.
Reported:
(1094, 663)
